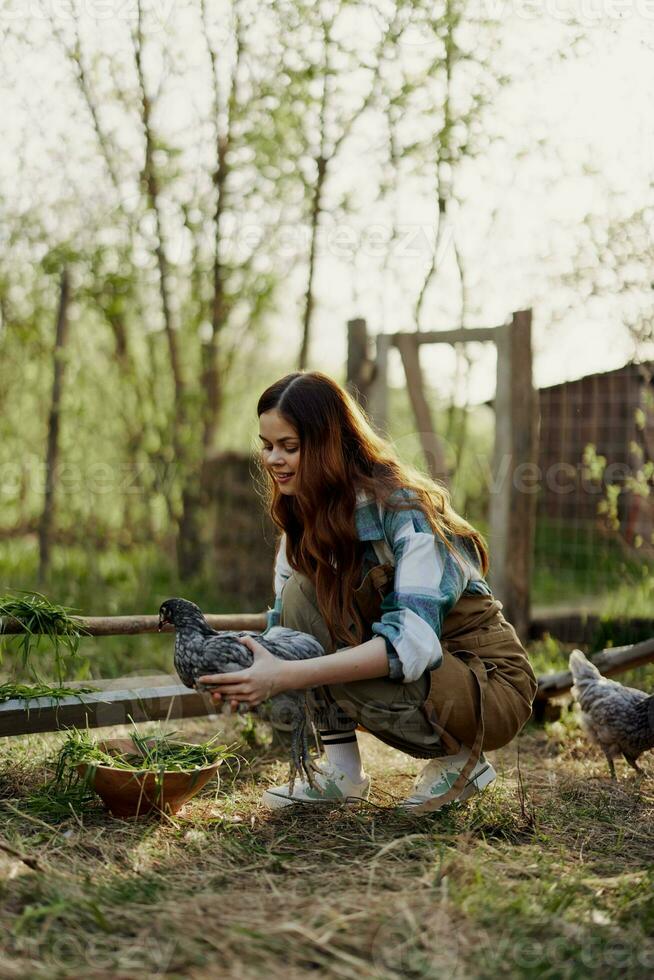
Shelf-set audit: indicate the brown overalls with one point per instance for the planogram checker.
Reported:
(480, 696)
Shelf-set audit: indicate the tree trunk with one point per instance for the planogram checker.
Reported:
(52, 451)
(190, 542)
(325, 157)
(151, 183)
(309, 299)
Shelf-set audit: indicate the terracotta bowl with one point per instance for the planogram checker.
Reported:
(135, 794)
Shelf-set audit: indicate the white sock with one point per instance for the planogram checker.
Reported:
(342, 750)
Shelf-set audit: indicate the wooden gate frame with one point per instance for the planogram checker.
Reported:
(515, 478)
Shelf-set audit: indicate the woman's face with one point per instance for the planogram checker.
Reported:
(280, 449)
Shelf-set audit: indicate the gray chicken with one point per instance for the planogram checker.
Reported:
(619, 719)
(199, 650)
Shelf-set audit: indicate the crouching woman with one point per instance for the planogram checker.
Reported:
(375, 563)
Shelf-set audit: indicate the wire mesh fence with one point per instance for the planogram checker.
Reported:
(595, 516)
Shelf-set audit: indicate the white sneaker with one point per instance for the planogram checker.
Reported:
(332, 784)
(439, 775)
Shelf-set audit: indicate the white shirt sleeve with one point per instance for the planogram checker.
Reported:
(428, 582)
(282, 572)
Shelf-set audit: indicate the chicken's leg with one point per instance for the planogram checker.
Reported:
(611, 763)
(301, 762)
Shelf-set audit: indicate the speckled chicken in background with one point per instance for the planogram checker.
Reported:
(617, 718)
(199, 650)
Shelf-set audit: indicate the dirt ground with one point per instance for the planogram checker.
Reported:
(548, 873)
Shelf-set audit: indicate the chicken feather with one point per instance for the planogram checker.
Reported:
(199, 650)
(619, 719)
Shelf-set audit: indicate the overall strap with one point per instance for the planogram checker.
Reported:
(383, 551)
(382, 576)
(477, 667)
(386, 558)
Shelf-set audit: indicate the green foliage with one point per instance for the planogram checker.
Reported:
(548, 655)
(113, 582)
(634, 595)
(43, 621)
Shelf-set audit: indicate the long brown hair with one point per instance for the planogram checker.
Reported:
(340, 453)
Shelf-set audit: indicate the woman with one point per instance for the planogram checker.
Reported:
(374, 562)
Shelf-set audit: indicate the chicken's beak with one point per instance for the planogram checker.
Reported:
(162, 623)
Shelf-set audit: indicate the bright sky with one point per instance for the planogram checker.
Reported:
(578, 132)
(591, 111)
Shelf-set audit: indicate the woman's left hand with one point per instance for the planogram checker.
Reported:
(250, 686)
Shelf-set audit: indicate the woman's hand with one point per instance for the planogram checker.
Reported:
(253, 685)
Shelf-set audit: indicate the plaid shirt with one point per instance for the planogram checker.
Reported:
(428, 582)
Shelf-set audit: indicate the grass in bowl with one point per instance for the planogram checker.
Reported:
(141, 774)
(147, 753)
(132, 776)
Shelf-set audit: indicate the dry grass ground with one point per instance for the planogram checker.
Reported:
(547, 874)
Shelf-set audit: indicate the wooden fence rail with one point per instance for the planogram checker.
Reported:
(152, 702)
(151, 699)
(131, 625)
(609, 662)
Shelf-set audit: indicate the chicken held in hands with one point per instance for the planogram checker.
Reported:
(199, 650)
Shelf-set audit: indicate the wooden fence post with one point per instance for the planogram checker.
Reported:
(360, 365)
(378, 391)
(515, 484)
(430, 442)
(367, 370)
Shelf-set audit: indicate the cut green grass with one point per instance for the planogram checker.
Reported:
(151, 753)
(112, 582)
(26, 692)
(43, 621)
